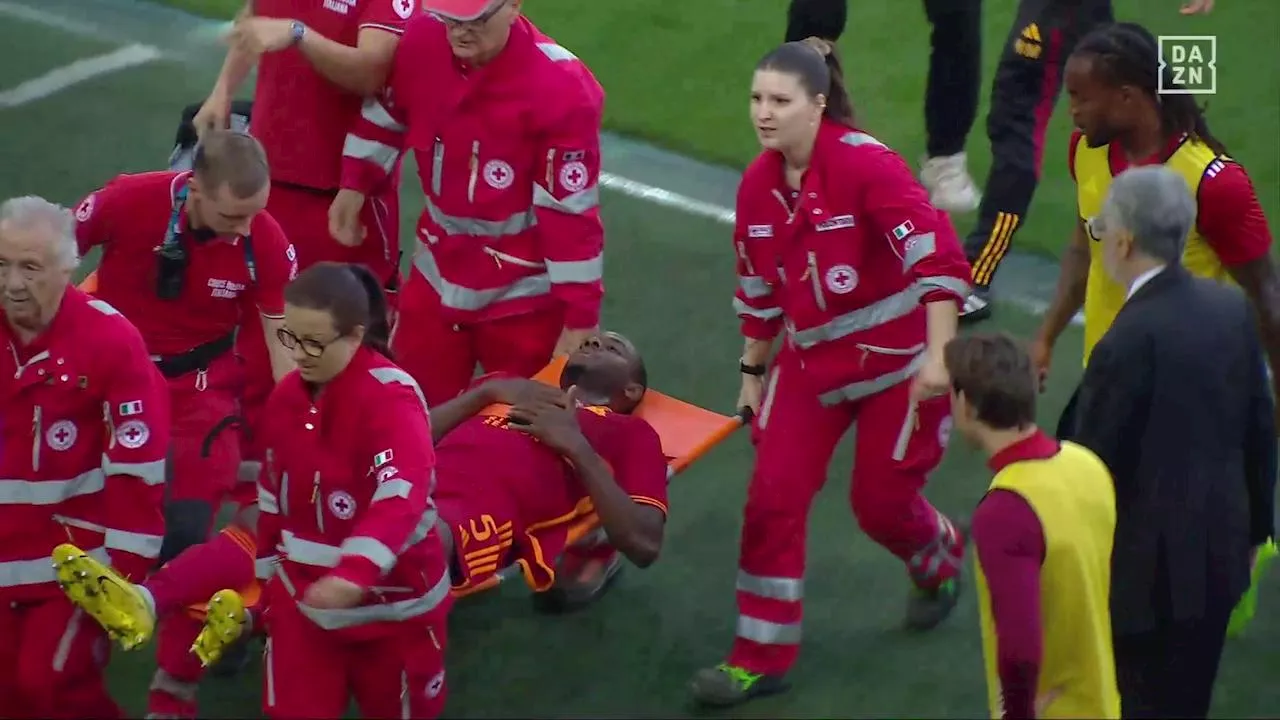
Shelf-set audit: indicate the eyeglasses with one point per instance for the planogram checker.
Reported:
(310, 347)
(1094, 227)
(474, 23)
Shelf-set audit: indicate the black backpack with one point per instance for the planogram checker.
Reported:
(184, 143)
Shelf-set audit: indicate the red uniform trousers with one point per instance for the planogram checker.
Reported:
(304, 216)
(205, 457)
(52, 659)
(442, 355)
(795, 437)
(313, 673)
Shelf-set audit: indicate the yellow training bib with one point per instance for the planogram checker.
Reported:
(1104, 296)
(1073, 496)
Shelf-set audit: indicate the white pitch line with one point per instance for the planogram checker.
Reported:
(59, 79)
(693, 206)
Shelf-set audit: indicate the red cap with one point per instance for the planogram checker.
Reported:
(460, 10)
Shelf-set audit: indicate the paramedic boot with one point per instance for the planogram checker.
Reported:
(224, 624)
(726, 685)
(123, 609)
(583, 574)
(928, 607)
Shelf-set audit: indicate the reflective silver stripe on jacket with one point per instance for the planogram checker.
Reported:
(267, 501)
(897, 305)
(397, 611)
(51, 492)
(15, 573)
(309, 552)
(754, 287)
(264, 568)
(384, 156)
(375, 112)
(140, 544)
(150, 473)
(741, 308)
(865, 388)
(517, 223)
(458, 297)
(576, 204)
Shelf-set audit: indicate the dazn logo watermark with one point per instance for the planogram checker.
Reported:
(1188, 65)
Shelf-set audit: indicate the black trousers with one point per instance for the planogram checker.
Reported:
(1024, 91)
(1169, 672)
(955, 61)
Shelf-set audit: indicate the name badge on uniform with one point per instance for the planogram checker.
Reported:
(835, 223)
(760, 231)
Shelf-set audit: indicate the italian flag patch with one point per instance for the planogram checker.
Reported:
(133, 407)
(382, 458)
(903, 230)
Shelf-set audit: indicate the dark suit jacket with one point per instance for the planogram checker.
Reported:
(1176, 401)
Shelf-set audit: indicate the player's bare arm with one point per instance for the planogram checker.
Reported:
(635, 529)
(1068, 298)
(504, 390)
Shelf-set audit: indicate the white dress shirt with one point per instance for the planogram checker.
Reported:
(1141, 280)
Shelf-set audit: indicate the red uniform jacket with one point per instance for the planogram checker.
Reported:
(509, 157)
(84, 417)
(300, 117)
(846, 264)
(346, 491)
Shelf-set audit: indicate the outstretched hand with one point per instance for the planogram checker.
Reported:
(553, 421)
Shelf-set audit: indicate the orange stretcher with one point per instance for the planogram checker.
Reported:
(687, 433)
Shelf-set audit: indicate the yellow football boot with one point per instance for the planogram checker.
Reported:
(224, 623)
(120, 607)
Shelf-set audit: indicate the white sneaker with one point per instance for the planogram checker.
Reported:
(950, 186)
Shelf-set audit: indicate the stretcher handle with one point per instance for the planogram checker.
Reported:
(743, 417)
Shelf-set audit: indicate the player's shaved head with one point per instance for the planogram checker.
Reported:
(607, 370)
(234, 160)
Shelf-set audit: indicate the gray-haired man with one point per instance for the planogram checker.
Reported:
(1176, 401)
(86, 428)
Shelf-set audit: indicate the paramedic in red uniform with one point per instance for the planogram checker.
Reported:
(358, 603)
(316, 62)
(837, 243)
(505, 125)
(490, 514)
(86, 428)
(189, 258)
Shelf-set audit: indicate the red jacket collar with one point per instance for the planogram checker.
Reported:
(72, 300)
(1036, 446)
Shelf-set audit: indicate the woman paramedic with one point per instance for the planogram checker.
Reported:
(837, 243)
(358, 602)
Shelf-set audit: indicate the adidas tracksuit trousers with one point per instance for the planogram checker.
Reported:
(1026, 86)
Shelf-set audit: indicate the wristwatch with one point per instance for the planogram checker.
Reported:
(757, 370)
(296, 31)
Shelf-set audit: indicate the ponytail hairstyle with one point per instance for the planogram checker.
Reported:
(815, 63)
(351, 294)
(377, 331)
(1127, 54)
